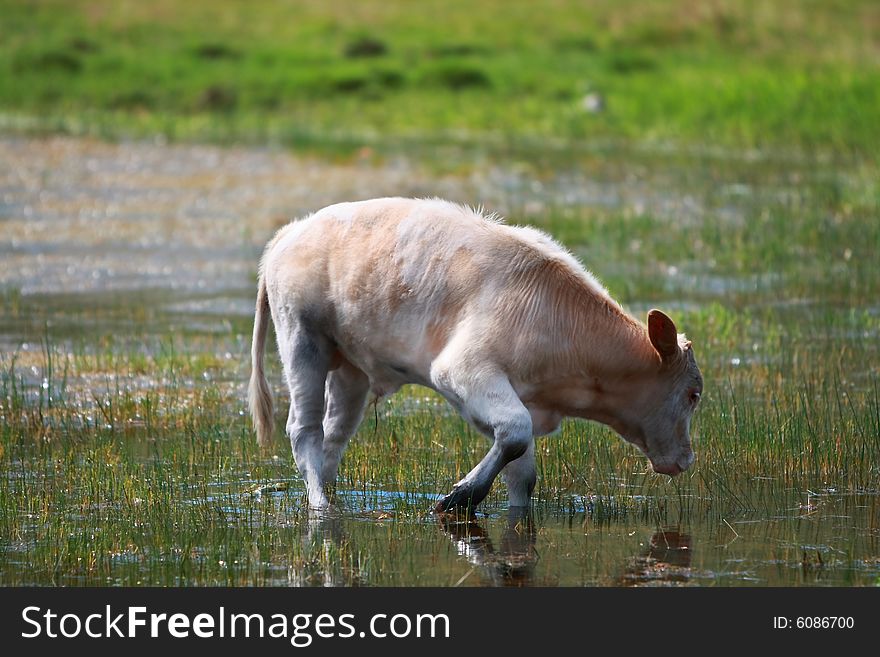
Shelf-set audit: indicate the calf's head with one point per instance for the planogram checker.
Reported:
(663, 401)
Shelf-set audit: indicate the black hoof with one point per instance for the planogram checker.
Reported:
(459, 501)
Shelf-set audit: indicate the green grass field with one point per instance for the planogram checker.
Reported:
(802, 76)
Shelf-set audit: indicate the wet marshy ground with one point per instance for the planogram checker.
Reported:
(127, 276)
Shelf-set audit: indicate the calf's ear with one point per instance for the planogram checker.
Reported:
(663, 335)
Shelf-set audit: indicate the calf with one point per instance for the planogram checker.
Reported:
(500, 320)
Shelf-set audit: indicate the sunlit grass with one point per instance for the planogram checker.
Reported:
(336, 76)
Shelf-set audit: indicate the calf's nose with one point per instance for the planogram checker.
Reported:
(670, 469)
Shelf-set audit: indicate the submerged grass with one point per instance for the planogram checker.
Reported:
(143, 487)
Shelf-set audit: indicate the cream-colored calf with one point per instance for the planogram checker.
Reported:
(500, 320)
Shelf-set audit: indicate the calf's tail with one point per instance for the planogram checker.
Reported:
(259, 394)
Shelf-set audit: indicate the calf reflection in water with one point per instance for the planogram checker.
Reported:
(512, 564)
(666, 561)
(328, 558)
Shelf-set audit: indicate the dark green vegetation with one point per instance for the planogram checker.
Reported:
(789, 75)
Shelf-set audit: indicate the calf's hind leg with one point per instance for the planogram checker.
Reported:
(345, 399)
(306, 359)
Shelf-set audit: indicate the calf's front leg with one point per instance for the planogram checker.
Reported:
(520, 476)
(489, 400)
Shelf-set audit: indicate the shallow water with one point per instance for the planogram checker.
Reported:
(548, 548)
(138, 248)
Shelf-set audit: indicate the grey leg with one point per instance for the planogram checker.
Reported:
(345, 399)
(489, 400)
(521, 475)
(306, 371)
